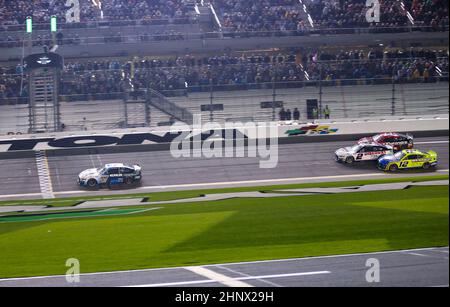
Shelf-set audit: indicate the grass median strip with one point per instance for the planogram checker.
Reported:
(174, 195)
(66, 215)
(230, 231)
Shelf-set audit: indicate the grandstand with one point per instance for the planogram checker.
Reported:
(356, 80)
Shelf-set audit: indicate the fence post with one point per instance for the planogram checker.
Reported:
(393, 97)
(320, 92)
(274, 97)
(211, 100)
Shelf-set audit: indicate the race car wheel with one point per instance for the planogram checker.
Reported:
(349, 160)
(92, 183)
(426, 166)
(128, 181)
(393, 168)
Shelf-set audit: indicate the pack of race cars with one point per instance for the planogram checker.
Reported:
(392, 151)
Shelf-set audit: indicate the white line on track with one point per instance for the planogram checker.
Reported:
(171, 284)
(261, 181)
(18, 195)
(211, 184)
(217, 277)
(417, 254)
(234, 263)
(425, 255)
(246, 275)
(441, 251)
(45, 180)
(232, 282)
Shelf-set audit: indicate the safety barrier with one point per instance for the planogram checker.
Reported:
(146, 139)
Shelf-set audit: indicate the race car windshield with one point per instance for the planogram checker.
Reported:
(356, 148)
(399, 155)
(103, 171)
(376, 138)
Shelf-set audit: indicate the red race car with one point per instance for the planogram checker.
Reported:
(396, 140)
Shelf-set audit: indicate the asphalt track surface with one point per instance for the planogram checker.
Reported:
(303, 162)
(413, 268)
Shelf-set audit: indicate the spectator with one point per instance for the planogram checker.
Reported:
(282, 115)
(288, 114)
(296, 114)
(326, 112)
(60, 38)
(315, 113)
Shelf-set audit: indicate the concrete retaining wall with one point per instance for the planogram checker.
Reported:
(103, 142)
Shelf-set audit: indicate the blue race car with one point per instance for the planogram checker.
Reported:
(111, 175)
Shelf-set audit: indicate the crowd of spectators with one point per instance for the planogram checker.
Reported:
(12, 85)
(399, 65)
(287, 69)
(284, 15)
(15, 12)
(237, 15)
(260, 16)
(352, 13)
(433, 13)
(241, 16)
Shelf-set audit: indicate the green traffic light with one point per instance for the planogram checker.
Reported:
(29, 24)
(53, 24)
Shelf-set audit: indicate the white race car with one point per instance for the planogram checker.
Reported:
(362, 152)
(110, 175)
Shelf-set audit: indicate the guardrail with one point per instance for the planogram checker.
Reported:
(226, 34)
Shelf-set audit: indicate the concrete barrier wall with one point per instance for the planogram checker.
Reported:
(146, 139)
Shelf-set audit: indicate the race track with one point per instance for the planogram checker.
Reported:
(301, 162)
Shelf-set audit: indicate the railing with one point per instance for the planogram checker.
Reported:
(97, 24)
(159, 101)
(223, 34)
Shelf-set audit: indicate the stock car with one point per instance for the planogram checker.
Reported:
(362, 152)
(396, 140)
(110, 175)
(408, 159)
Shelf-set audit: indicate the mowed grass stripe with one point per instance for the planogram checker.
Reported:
(65, 215)
(230, 231)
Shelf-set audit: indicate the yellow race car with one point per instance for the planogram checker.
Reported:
(407, 159)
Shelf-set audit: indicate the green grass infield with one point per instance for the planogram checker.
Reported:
(230, 231)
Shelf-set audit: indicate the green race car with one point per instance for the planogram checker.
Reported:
(407, 159)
